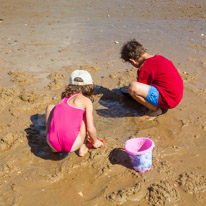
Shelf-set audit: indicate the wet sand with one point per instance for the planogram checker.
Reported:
(42, 42)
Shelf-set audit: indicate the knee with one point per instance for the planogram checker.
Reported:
(133, 88)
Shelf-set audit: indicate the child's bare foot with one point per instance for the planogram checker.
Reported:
(83, 150)
(150, 115)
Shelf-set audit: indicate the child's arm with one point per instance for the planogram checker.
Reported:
(91, 130)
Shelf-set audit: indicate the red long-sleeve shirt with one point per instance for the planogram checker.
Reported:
(161, 73)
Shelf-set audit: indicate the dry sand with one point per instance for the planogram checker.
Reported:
(42, 42)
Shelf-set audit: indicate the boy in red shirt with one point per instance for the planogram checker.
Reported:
(159, 84)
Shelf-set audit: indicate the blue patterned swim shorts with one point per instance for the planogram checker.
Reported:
(153, 96)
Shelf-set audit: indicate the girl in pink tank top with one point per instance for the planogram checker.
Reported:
(69, 122)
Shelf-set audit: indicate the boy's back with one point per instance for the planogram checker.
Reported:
(161, 73)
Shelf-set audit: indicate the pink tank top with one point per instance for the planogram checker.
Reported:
(65, 125)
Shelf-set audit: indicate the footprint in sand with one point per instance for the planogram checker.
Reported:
(133, 194)
(192, 182)
(56, 81)
(162, 193)
(21, 78)
(9, 139)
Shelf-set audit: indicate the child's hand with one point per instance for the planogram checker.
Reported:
(97, 143)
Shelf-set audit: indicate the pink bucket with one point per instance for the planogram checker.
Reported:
(140, 153)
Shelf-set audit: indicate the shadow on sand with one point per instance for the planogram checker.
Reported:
(119, 156)
(118, 104)
(36, 135)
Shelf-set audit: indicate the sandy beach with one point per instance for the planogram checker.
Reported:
(41, 43)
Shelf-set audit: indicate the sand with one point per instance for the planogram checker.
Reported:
(42, 42)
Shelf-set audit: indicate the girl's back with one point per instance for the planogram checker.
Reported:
(66, 122)
(77, 100)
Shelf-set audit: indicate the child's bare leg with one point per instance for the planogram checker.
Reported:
(144, 102)
(83, 150)
(80, 142)
(153, 111)
(139, 92)
(48, 116)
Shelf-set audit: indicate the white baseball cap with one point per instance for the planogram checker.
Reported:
(80, 77)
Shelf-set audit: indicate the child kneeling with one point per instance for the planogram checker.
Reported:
(69, 122)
